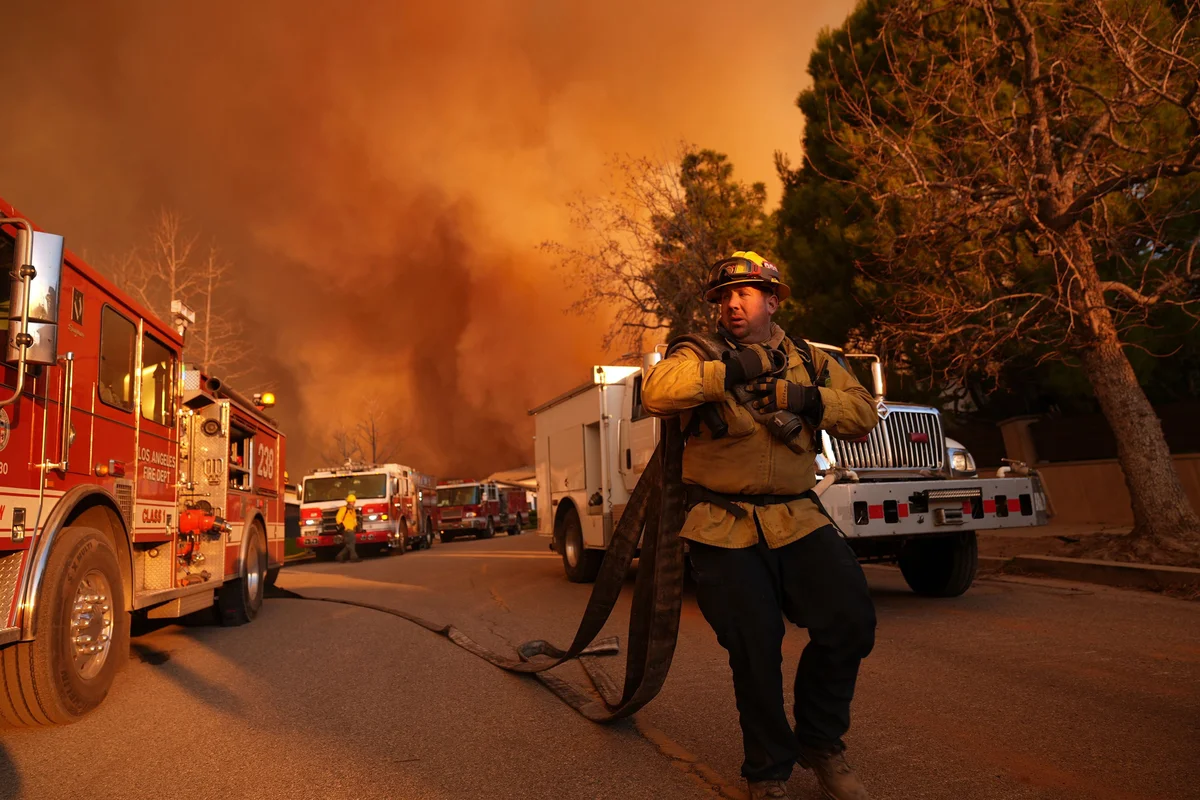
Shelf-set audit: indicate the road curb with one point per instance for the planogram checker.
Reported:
(299, 557)
(1125, 575)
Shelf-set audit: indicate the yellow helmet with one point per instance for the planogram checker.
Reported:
(351, 498)
(744, 266)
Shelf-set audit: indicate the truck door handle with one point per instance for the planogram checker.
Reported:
(68, 391)
(628, 458)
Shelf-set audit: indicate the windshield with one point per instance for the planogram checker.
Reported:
(320, 490)
(458, 496)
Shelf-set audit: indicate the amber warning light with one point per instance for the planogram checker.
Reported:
(264, 400)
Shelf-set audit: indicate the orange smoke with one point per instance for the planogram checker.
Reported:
(381, 177)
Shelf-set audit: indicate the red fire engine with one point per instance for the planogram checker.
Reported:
(127, 482)
(480, 508)
(395, 504)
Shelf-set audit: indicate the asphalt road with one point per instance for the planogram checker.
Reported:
(1020, 689)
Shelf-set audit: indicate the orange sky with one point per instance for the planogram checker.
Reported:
(381, 178)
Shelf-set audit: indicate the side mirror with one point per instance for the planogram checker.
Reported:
(35, 321)
(877, 379)
(876, 373)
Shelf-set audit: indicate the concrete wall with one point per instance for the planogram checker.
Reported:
(1094, 491)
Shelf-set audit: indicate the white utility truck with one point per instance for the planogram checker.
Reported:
(904, 494)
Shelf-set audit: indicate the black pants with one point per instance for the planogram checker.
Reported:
(817, 583)
(348, 550)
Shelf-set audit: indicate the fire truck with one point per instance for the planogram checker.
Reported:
(396, 506)
(128, 482)
(480, 508)
(905, 493)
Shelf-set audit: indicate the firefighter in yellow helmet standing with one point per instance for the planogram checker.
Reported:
(753, 403)
(347, 522)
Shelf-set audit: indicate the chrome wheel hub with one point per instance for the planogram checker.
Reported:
(92, 620)
(254, 573)
(572, 551)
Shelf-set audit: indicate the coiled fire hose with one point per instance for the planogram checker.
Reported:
(654, 516)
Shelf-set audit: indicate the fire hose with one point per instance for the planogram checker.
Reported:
(654, 517)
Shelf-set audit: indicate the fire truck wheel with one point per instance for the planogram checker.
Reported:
(429, 534)
(580, 564)
(83, 636)
(489, 532)
(239, 601)
(516, 528)
(940, 566)
(272, 576)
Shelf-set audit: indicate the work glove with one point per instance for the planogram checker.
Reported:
(751, 362)
(776, 394)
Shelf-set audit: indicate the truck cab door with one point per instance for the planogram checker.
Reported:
(638, 435)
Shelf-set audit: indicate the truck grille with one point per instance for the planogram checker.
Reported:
(451, 513)
(329, 521)
(891, 444)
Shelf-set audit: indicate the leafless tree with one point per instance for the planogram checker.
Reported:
(161, 271)
(168, 268)
(1032, 167)
(376, 433)
(373, 437)
(649, 242)
(341, 446)
(218, 339)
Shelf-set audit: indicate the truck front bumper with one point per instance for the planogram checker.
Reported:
(908, 508)
(472, 524)
(335, 539)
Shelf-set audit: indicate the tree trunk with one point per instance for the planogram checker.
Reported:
(1165, 524)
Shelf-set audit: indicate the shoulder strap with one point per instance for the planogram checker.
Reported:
(806, 355)
(710, 344)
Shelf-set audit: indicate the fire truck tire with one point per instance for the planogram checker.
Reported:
(430, 534)
(516, 528)
(58, 677)
(580, 564)
(941, 566)
(272, 576)
(239, 601)
(488, 532)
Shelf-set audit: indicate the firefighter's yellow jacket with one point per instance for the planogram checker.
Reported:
(347, 517)
(749, 460)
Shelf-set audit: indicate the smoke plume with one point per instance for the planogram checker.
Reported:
(380, 172)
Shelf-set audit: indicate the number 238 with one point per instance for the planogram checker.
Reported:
(266, 462)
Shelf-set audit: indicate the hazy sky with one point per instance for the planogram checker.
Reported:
(381, 177)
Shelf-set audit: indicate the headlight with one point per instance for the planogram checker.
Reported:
(310, 522)
(372, 517)
(470, 514)
(961, 462)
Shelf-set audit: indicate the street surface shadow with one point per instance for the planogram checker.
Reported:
(143, 648)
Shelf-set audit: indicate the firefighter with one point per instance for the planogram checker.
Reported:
(759, 541)
(347, 522)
